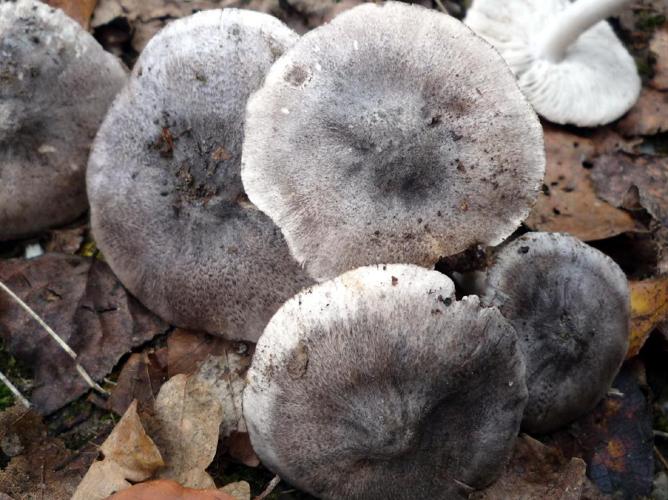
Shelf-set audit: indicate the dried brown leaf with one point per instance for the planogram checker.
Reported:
(537, 472)
(79, 10)
(648, 116)
(659, 47)
(86, 305)
(67, 241)
(186, 426)
(35, 469)
(240, 490)
(129, 455)
(239, 447)
(569, 203)
(622, 179)
(140, 379)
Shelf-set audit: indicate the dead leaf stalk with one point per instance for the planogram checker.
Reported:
(270, 487)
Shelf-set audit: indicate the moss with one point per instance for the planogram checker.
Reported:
(17, 372)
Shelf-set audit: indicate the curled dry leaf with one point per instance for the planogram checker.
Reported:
(86, 305)
(39, 466)
(616, 439)
(129, 455)
(186, 426)
(537, 472)
(569, 203)
(79, 10)
(141, 378)
(649, 308)
(165, 489)
(221, 363)
(648, 116)
(659, 47)
(67, 241)
(622, 179)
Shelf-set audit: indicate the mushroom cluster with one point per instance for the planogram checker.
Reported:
(56, 83)
(240, 164)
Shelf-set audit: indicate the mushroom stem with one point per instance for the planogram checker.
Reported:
(571, 23)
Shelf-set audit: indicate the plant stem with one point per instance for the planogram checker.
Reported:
(571, 23)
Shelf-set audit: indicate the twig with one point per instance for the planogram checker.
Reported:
(661, 458)
(440, 6)
(661, 434)
(270, 487)
(63, 345)
(14, 390)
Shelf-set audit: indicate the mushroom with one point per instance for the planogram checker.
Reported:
(391, 134)
(568, 61)
(569, 304)
(380, 384)
(167, 206)
(56, 85)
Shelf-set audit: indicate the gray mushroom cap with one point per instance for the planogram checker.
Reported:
(391, 134)
(379, 384)
(56, 83)
(167, 206)
(569, 304)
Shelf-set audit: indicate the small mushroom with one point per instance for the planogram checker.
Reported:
(569, 304)
(56, 83)
(567, 59)
(391, 134)
(167, 206)
(380, 384)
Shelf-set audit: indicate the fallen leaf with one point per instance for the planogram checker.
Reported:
(617, 176)
(187, 422)
(79, 10)
(164, 489)
(649, 308)
(537, 472)
(140, 379)
(568, 202)
(240, 490)
(86, 305)
(659, 47)
(648, 116)
(129, 455)
(221, 363)
(35, 468)
(615, 439)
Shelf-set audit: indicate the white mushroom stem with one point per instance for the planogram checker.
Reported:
(571, 23)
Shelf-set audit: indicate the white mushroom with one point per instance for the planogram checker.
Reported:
(567, 59)
(380, 384)
(391, 134)
(56, 83)
(167, 206)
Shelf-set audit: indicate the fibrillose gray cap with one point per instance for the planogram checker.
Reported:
(391, 134)
(379, 384)
(56, 83)
(568, 62)
(570, 306)
(167, 206)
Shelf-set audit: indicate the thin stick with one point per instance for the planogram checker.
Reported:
(14, 390)
(440, 6)
(661, 434)
(63, 345)
(270, 487)
(661, 458)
